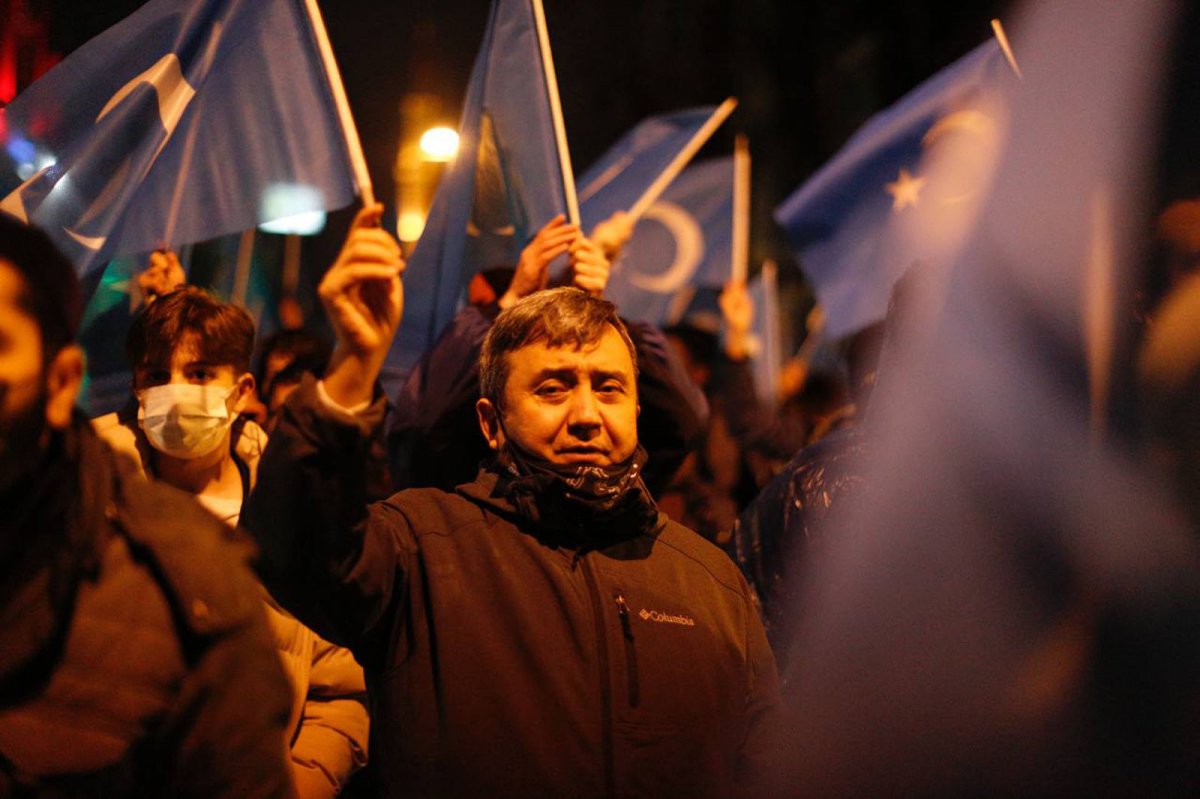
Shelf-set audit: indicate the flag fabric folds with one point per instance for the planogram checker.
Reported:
(505, 183)
(188, 120)
(629, 167)
(684, 240)
(840, 221)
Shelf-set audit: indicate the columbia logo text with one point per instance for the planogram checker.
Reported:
(666, 618)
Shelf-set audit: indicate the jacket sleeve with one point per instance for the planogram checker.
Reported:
(331, 744)
(433, 437)
(230, 721)
(674, 412)
(331, 558)
(757, 761)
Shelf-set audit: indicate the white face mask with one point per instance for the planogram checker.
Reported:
(183, 420)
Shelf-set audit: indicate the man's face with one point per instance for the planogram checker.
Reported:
(22, 380)
(21, 349)
(571, 406)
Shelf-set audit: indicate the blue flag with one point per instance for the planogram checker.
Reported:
(629, 167)
(505, 183)
(840, 220)
(685, 239)
(188, 120)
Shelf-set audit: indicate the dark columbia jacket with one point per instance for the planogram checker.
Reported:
(503, 663)
(135, 660)
(434, 437)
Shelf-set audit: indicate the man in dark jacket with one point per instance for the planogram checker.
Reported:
(542, 631)
(134, 656)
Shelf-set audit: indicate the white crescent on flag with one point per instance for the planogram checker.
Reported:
(689, 249)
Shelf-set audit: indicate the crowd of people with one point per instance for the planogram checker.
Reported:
(579, 555)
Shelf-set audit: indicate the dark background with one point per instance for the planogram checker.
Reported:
(807, 73)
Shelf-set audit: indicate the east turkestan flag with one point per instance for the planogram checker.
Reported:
(506, 181)
(188, 120)
(683, 241)
(845, 222)
(627, 169)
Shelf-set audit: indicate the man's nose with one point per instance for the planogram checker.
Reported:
(585, 411)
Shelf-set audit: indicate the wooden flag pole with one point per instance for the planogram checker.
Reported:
(1005, 47)
(741, 209)
(241, 276)
(1099, 314)
(358, 161)
(560, 130)
(682, 159)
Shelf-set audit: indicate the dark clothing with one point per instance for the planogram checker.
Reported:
(434, 437)
(773, 535)
(134, 656)
(755, 425)
(504, 662)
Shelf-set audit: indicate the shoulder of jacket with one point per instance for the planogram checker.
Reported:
(202, 562)
(706, 555)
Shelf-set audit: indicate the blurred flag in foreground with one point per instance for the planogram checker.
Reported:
(842, 221)
(683, 240)
(506, 181)
(631, 166)
(188, 120)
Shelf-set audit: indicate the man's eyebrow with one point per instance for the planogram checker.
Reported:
(551, 373)
(600, 375)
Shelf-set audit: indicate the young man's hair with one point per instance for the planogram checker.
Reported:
(222, 333)
(50, 291)
(558, 317)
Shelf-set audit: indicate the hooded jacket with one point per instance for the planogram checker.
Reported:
(504, 661)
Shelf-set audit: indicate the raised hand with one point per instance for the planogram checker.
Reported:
(738, 310)
(589, 266)
(162, 276)
(553, 240)
(364, 300)
(613, 233)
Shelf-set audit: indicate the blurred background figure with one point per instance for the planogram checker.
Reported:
(1011, 607)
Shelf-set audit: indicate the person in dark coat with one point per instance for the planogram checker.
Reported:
(135, 659)
(541, 631)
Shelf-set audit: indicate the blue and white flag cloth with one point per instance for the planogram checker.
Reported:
(188, 120)
(841, 220)
(505, 183)
(684, 240)
(624, 173)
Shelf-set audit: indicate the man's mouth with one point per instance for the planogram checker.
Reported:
(582, 455)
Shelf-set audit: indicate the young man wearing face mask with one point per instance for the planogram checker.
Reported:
(190, 356)
(134, 656)
(541, 631)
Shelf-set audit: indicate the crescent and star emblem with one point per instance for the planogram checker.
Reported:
(173, 94)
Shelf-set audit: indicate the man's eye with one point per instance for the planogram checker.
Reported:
(203, 375)
(611, 387)
(550, 389)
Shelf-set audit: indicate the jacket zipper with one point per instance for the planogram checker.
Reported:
(610, 778)
(631, 669)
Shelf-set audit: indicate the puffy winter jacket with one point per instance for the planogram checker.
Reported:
(134, 656)
(507, 663)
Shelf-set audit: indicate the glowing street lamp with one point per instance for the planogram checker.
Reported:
(439, 144)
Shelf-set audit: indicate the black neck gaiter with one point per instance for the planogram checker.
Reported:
(595, 503)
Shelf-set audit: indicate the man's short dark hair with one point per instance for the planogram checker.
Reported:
(556, 317)
(223, 333)
(51, 292)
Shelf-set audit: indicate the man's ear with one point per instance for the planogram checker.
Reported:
(64, 376)
(489, 423)
(244, 393)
